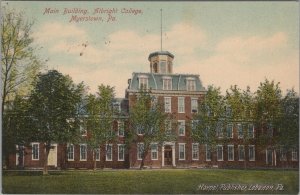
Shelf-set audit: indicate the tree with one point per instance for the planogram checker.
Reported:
(239, 106)
(100, 119)
(288, 128)
(53, 109)
(149, 124)
(20, 64)
(210, 117)
(267, 113)
(16, 125)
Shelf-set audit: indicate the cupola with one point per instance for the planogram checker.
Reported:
(161, 62)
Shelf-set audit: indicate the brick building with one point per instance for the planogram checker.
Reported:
(180, 94)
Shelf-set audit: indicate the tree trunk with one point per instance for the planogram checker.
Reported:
(142, 164)
(94, 160)
(274, 155)
(143, 159)
(63, 157)
(46, 154)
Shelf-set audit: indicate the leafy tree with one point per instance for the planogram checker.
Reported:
(81, 91)
(210, 118)
(100, 119)
(16, 125)
(149, 124)
(288, 130)
(19, 65)
(53, 109)
(267, 113)
(234, 101)
(239, 106)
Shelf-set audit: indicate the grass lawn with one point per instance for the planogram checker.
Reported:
(177, 181)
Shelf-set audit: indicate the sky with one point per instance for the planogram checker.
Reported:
(226, 43)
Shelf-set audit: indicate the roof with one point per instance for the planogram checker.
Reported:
(123, 102)
(155, 81)
(160, 53)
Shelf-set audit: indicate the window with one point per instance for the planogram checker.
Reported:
(228, 111)
(270, 130)
(83, 152)
(121, 152)
(97, 151)
(219, 130)
(206, 131)
(35, 151)
(207, 152)
(167, 83)
(121, 128)
(117, 107)
(230, 152)
(163, 66)
(168, 126)
(194, 105)
(229, 130)
(169, 67)
(294, 155)
(269, 156)
(251, 131)
(282, 153)
(168, 104)
(154, 151)
(208, 111)
(180, 104)
(70, 151)
(108, 152)
(241, 152)
(251, 153)
(143, 82)
(140, 151)
(240, 131)
(194, 125)
(190, 84)
(195, 151)
(83, 130)
(140, 130)
(181, 151)
(219, 152)
(181, 127)
(155, 67)
(154, 101)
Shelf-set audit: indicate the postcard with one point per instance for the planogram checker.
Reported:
(164, 97)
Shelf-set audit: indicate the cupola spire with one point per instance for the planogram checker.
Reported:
(160, 29)
(161, 61)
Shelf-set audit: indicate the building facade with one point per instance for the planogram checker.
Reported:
(180, 95)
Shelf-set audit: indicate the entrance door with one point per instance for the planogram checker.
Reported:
(269, 157)
(168, 155)
(52, 158)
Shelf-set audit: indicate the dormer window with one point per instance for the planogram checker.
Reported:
(167, 83)
(143, 82)
(117, 107)
(190, 84)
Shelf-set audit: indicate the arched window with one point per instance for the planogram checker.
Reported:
(155, 67)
